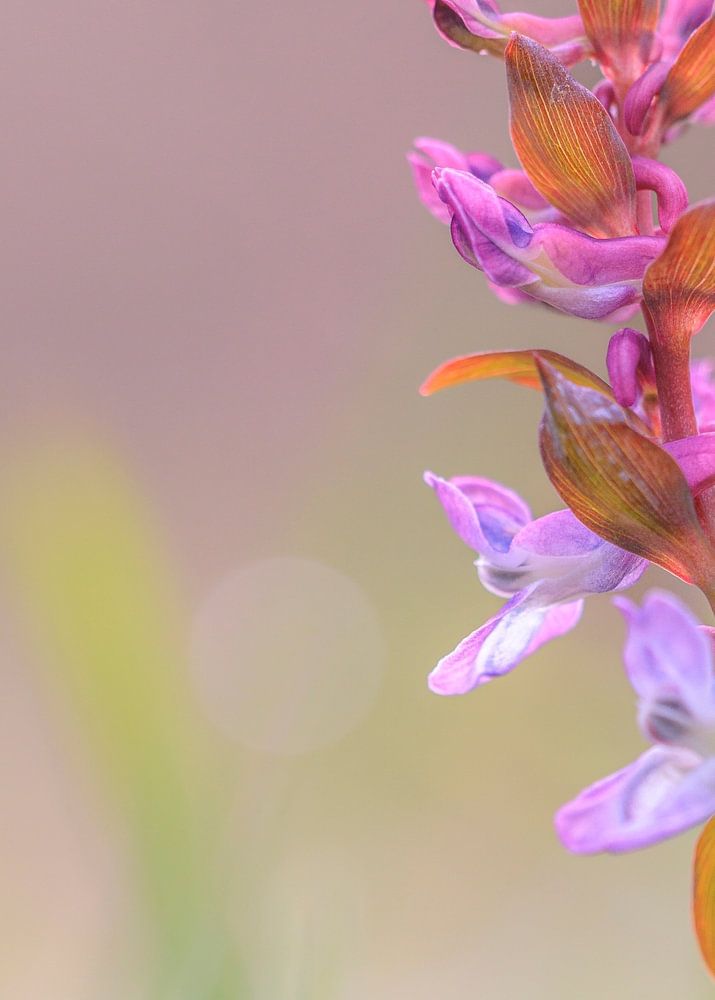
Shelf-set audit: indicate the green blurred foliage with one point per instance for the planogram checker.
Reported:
(97, 594)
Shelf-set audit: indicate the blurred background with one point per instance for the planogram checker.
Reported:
(224, 583)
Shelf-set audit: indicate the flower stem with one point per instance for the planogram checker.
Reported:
(671, 357)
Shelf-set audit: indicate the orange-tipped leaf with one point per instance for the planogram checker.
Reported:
(515, 366)
(568, 144)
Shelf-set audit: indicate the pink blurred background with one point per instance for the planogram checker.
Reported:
(222, 773)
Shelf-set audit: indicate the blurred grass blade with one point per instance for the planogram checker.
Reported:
(98, 598)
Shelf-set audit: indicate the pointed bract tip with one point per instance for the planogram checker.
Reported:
(521, 43)
(549, 375)
(626, 607)
(430, 478)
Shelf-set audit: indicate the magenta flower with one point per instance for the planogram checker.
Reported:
(680, 84)
(631, 371)
(551, 263)
(545, 566)
(431, 153)
(479, 25)
(513, 185)
(679, 20)
(671, 787)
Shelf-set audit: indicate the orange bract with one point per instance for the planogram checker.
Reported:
(679, 287)
(515, 366)
(621, 32)
(691, 80)
(567, 143)
(618, 482)
(704, 893)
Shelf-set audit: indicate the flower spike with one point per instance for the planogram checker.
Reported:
(579, 230)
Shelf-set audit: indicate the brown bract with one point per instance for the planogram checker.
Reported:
(691, 79)
(618, 482)
(567, 143)
(704, 893)
(621, 32)
(679, 286)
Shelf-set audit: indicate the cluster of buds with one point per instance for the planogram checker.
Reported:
(633, 458)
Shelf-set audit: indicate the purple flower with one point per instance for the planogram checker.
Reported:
(479, 25)
(552, 263)
(630, 365)
(430, 153)
(629, 360)
(705, 115)
(671, 787)
(545, 566)
(679, 20)
(511, 184)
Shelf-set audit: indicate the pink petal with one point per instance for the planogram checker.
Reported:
(493, 650)
(696, 457)
(485, 515)
(664, 792)
(667, 654)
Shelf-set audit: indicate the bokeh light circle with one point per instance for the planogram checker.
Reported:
(287, 655)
